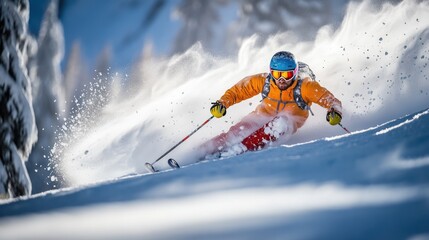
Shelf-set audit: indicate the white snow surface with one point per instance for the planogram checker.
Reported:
(371, 184)
(358, 186)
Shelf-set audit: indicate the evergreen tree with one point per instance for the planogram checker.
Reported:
(75, 77)
(49, 101)
(17, 125)
(199, 19)
(300, 19)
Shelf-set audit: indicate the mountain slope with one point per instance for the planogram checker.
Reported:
(372, 184)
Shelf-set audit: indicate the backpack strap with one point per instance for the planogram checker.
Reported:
(297, 97)
(266, 88)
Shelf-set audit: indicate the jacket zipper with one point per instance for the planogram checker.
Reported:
(278, 104)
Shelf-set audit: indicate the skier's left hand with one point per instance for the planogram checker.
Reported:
(333, 117)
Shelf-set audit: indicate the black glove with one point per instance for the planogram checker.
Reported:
(218, 109)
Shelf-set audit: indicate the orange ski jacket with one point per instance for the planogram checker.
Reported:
(280, 101)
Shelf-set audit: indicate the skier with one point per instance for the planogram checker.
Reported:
(287, 95)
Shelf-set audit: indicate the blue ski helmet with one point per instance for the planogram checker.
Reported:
(284, 61)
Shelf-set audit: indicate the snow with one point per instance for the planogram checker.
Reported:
(17, 124)
(371, 184)
(401, 124)
(231, 206)
(394, 161)
(359, 186)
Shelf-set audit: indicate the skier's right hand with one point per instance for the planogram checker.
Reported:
(218, 109)
(333, 117)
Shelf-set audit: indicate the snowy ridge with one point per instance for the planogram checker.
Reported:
(415, 117)
(383, 131)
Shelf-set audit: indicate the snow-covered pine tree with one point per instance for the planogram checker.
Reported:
(269, 17)
(86, 96)
(199, 19)
(96, 95)
(48, 92)
(103, 64)
(142, 73)
(75, 77)
(17, 125)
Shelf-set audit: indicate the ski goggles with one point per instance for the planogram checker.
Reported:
(285, 74)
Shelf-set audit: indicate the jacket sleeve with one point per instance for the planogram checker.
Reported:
(313, 92)
(244, 89)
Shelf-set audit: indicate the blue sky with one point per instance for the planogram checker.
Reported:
(97, 24)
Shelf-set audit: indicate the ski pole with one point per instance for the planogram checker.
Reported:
(184, 139)
(345, 129)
